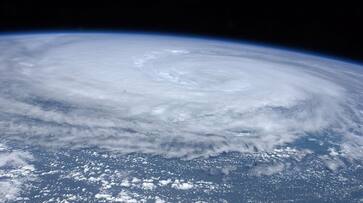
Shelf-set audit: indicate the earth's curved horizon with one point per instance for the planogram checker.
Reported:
(123, 117)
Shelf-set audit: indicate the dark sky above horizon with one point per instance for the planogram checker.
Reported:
(329, 29)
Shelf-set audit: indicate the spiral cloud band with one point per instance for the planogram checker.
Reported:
(173, 96)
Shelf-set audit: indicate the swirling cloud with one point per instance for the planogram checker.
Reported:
(171, 96)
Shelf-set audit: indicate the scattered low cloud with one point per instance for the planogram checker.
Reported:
(15, 172)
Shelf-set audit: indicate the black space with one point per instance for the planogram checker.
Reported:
(328, 29)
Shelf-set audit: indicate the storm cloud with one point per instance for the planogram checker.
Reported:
(172, 96)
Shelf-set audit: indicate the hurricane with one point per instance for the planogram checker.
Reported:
(175, 97)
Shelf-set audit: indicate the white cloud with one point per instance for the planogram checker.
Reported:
(267, 169)
(148, 186)
(332, 163)
(15, 172)
(182, 185)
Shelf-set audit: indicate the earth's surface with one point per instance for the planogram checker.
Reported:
(150, 118)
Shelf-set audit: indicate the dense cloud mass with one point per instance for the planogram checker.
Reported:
(172, 96)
